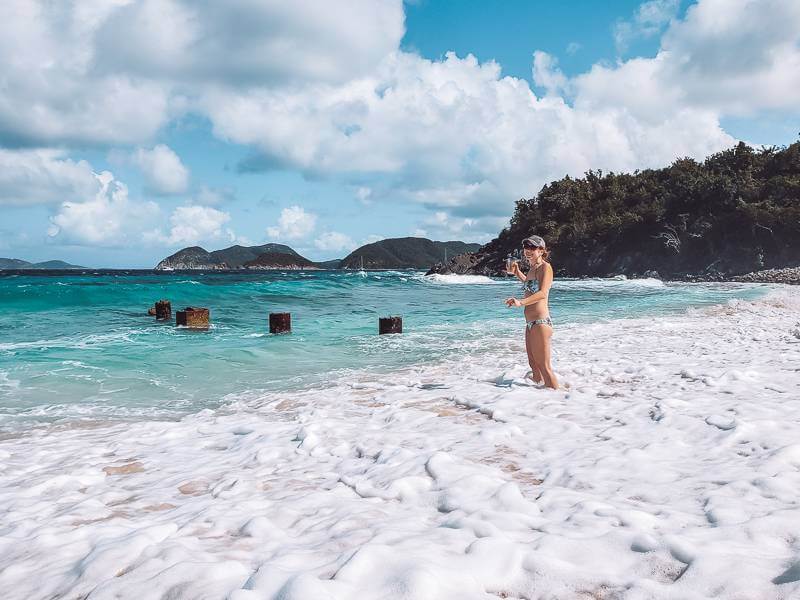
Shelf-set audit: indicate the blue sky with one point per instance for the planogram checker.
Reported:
(255, 122)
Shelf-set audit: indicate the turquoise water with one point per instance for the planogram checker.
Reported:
(82, 346)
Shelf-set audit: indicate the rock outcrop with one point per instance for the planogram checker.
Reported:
(789, 275)
(733, 214)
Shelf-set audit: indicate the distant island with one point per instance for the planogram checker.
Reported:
(395, 253)
(736, 212)
(404, 253)
(233, 258)
(9, 264)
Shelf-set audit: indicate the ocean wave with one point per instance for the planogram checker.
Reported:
(608, 283)
(460, 279)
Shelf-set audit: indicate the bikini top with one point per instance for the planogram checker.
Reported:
(527, 286)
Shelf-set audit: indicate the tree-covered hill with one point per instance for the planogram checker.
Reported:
(403, 253)
(735, 212)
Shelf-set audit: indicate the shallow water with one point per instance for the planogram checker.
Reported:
(82, 346)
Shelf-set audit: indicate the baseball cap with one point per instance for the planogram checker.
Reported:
(533, 241)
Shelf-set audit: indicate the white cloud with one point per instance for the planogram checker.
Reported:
(240, 42)
(331, 94)
(727, 57)
(473, 141)
(573, 48)
(51, 94)
(334, 241)
(546, 73)
(294, 223)
(192, 224)
(43, 177)
(115, 71)
(364, 195)
(163, 171)
(648, 20)
(443, 226)
(108, 219)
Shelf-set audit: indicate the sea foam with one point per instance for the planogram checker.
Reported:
(670, 457)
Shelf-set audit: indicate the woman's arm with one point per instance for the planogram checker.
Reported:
(518, 272)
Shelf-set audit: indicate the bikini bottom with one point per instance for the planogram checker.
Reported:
(545, 321)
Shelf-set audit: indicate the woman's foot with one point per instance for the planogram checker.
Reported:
(530, 376)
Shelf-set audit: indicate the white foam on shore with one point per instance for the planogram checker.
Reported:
(454, 279)
(669, 469)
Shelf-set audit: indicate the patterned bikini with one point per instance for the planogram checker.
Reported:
(527, 288)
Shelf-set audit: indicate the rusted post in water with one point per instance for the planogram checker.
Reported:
(280, 322)
(194, 317)
(390, 325)
(163, 310)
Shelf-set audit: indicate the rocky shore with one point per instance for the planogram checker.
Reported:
(789, 275)
(470, 264)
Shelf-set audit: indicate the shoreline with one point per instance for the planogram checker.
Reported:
(668, 459)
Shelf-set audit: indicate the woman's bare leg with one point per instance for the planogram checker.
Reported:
(536, 373)
(540, 347)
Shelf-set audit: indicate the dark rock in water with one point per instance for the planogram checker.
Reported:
(280, 322)
(194, 317)
(390, 325)
(163, 310)
(461, 264)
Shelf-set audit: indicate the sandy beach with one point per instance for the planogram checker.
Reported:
(668, 469)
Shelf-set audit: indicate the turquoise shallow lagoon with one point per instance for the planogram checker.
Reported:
(82, 346)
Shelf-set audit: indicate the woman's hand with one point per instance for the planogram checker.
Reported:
(513, 302)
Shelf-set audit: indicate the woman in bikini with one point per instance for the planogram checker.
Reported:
(539, 328)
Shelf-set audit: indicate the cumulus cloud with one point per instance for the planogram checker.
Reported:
(648, 21)
(192, 224)
(43, 177)
(294, 223)
(72, 80)
(240, 42)
(547, 75)
(472, 141)
(334, 241)
(108, 219)
(51, 95)
(164, 173)
(329, 93)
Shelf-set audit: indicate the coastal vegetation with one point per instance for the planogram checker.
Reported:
(735, 212)
(404, 253)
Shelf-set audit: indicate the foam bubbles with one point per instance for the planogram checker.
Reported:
(665, 462)
(460, 279)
